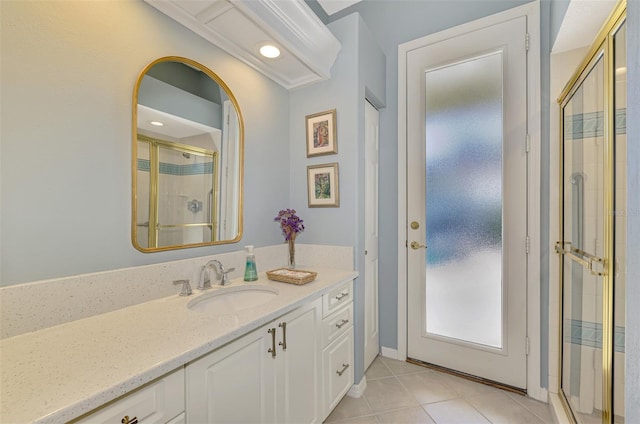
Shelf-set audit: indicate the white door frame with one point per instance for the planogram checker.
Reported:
(371, 317)
(531, 11)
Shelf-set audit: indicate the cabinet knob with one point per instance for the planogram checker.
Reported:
(127, 420)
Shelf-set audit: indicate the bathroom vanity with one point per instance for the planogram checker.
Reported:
(287, 359)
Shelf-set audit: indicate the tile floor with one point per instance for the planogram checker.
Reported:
(399, 392)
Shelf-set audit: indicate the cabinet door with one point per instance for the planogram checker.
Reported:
(298, 372)
(338, 370)
(156, 402)
(234, 384)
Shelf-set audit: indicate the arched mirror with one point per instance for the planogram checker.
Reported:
(187, 158)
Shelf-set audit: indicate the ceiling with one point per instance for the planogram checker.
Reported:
(581, 23)
(334, 6)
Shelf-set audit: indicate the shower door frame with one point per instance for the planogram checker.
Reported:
(603, 47)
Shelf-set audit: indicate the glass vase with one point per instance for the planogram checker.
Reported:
(291, 257)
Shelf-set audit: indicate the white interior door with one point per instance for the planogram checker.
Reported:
(371, 339)
(467, 202)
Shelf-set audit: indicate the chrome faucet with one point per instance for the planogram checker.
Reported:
(205, 277)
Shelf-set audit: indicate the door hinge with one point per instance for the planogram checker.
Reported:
(527, 245)
(526, 42)
(527, 143)
(527, 346)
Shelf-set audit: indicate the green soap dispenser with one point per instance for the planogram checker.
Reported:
(250, 271)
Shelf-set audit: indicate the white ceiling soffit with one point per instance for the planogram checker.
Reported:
(334, 6)
(240, 27)
(581, 23)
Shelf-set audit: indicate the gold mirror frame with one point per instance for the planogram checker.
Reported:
(153, 210)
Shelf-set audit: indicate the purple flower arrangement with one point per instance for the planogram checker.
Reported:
(290, 223)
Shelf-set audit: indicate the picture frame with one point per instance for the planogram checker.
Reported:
(321, 133)
(322, 185)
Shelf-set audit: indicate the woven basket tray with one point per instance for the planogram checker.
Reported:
(292, 276)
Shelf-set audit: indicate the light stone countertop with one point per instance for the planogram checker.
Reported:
(62, 372)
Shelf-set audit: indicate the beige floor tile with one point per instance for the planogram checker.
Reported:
(427, 387)
(415, 415)
(385, 394)
(369, 419)
(402, 367)
(467, 388)
(377, 369)
(501, 409)
(350, 408)
(541, 409)
(456, 411)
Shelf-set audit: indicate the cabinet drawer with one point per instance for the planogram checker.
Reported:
(337, 324)
(338, 370)
(337, 297)
(156, 402)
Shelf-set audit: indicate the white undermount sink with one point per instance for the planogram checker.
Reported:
(231, 300)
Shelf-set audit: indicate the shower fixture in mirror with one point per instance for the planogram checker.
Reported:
(187, 166)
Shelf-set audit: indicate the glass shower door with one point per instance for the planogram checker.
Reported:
(583, 217)
(593, 231)
(619, 220)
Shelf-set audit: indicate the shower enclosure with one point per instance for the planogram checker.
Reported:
(178, 196)
(592, 230)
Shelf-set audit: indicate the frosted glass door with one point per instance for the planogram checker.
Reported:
(467, 203)
(464, 200)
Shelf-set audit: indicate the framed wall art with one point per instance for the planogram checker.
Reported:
(322, 185)
(321, 133)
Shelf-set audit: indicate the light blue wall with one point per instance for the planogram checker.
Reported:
(358, 72)
(68, 73)
(632, 331)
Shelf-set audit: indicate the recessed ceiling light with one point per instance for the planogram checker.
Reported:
(157, 123)
(270, 51)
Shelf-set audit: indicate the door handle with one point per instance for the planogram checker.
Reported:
(415, 245)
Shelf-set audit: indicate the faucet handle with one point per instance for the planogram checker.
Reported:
(186, 287)
(225, 277)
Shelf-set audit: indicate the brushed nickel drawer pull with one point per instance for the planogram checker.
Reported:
(342, 323)
(127, 420)
(344, 368)
(283, 343)
(342, 295)
(272, 349)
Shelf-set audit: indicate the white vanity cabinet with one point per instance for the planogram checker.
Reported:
(269, 375)
(337, 353)
(159, 402)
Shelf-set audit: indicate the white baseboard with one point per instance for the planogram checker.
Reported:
(388, 352)
(357, 390)
(538, 393)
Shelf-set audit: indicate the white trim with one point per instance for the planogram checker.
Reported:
(531, 11)
(557, 410)
(357, 390)
(388, 352)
